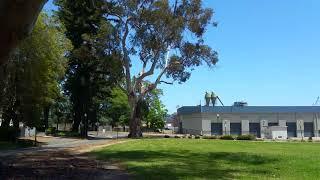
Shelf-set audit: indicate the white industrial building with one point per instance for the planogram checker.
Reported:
(263, 121)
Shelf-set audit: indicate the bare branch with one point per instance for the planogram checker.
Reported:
(166, 82)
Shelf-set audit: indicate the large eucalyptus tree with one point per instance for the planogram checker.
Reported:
(165, 38)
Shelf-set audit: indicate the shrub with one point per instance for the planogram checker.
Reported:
(209, 137)
(9, 134)
(68, 134)
(246, 137)
(190, 137)
(176, 136)
(227, 137)
(197, 137)
(166, 136)
(50, 131)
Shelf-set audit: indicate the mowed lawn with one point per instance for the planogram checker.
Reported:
(215, 159)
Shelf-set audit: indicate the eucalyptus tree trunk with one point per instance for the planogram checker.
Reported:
(135, 118)
(17, 18)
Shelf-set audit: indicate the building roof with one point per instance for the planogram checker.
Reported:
(248, 109)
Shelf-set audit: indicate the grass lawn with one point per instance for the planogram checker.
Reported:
(215, 159)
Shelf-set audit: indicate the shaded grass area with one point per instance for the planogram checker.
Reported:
(21, 143)
(215, 159)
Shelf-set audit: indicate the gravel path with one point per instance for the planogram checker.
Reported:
(60, 158)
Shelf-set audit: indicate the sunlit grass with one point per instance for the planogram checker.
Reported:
(215, 159)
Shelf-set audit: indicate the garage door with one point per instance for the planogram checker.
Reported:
(292, 129)
(308, 129)
(216, 128)
(254, 128)
(235, 128)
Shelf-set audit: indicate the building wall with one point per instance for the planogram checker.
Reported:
(200, 123)
(192, 123)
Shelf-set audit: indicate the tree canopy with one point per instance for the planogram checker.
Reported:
(33, 73)
(156, 32)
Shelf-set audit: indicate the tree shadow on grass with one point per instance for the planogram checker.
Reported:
(186, 164)
(56, 163)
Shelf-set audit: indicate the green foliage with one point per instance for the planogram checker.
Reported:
(51, 131)
(61, 111)
(118, 108)
(33, 73)
(68, 134)
(246, 137)
(227, 137)
(94, 67)
(155, 116)
(210, 137)
(8, 134)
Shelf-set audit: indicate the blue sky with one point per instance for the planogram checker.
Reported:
(269, 54)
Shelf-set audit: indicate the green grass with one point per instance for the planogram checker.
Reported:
(215, 159)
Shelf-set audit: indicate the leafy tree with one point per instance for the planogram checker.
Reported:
(94, 67)
(33, 73)
(155, 117)
(61, 111)
(118, 108)
(155, 33)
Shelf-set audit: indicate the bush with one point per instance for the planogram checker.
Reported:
(246, 137)
(197, 137)
(68, 134)
(227, 137)
(166, 136)
(50, 131)
(209, 137)
(9, 134)
(176, 136)
(190, 137)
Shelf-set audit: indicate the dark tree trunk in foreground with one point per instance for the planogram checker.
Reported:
(17, 18)
(135, 120)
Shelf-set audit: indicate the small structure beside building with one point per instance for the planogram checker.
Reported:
(276, 132)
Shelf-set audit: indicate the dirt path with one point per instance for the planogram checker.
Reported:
(60, 162)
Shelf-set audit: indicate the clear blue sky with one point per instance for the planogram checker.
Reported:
(269, 54)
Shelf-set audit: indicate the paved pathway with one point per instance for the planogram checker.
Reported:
(60, 158)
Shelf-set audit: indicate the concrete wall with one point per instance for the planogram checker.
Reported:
(192, 124)
(200, 123)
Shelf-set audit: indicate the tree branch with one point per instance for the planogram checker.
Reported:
(126, 61)
(166, 82)
(154, 85)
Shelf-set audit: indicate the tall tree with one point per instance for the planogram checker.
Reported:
(94, 66)
(165, 38)
(33, 73)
